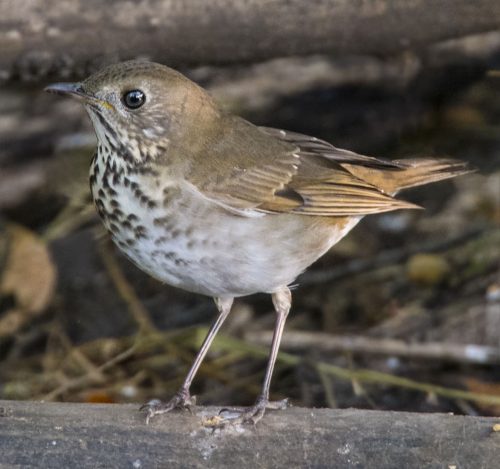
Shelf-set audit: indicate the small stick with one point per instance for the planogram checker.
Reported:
(469, 353)
(124, 289)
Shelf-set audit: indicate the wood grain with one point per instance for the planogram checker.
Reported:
(63, 38)
(34, 434)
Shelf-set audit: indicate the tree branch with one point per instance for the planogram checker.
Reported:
(296, 341)
(77, 435)
(69, 37)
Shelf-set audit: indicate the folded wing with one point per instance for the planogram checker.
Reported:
(274, 171)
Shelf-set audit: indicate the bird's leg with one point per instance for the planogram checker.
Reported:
(282, 300)
(182, 399)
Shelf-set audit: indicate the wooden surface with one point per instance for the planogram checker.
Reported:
(63, 37)
(57, 435)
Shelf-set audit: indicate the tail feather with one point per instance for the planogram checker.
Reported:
(412, 173)
(420, 171)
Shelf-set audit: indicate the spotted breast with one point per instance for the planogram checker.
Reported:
(155, 222)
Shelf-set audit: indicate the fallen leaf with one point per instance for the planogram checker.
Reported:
(28, 275)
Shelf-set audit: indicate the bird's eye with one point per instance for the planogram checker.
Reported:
(134, 99)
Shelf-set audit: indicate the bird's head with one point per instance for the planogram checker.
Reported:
(140, 106)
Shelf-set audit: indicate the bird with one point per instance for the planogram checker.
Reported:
(208, 202)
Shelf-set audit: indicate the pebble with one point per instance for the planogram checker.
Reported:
(427, 269)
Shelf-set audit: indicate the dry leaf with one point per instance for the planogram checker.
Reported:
(483, 387)
(28, 275)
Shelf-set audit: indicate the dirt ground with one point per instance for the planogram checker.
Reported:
(402, 314)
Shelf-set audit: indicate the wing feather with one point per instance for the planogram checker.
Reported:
(274, 171)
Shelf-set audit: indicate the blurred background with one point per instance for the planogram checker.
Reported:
(404, 313)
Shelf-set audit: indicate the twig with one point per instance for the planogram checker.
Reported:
(126, 292)
(74, 215)
(328, 387)
(89, 377)
(79, 357)
(363, 375)
(295, 341)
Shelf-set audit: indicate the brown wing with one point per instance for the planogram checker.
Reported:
(275, 171)
(386, 175)
(243, 167)
(312, 146)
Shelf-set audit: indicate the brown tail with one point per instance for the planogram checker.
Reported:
(412, 173)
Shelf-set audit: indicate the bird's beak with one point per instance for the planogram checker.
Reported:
(75, 90)
(71, 89)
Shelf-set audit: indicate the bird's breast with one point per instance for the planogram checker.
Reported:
(185, 240)
(144, 215)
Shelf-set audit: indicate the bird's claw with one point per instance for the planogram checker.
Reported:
(181, 400)
(251, 415)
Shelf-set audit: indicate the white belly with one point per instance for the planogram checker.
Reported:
(193, 244)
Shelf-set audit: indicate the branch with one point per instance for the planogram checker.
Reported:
(82, 435)
(72, 36)
(296, 341)
(360, 375)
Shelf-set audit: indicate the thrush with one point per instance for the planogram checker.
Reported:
(206, 201)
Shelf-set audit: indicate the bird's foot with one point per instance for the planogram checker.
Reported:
(251, 415)
(181, 400)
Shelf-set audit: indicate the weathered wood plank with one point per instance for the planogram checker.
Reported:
(34, 434)
(36, 41)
